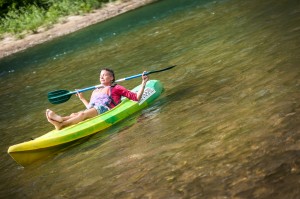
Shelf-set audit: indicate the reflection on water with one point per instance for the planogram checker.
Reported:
(227, 125)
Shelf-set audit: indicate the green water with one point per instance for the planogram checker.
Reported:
(227, 125)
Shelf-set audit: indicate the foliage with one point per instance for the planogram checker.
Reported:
(21, 17)
(27, 18)
(8, 5)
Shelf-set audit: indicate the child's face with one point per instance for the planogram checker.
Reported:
(106, 78)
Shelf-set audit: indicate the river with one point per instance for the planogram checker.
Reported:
(226, 126)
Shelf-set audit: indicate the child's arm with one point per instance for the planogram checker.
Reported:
(139, 94)
(82, 99)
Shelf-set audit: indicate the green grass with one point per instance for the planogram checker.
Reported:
(28, 19)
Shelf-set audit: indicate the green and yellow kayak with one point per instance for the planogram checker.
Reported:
(27, 152)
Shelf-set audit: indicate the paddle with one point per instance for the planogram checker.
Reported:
(61, 96)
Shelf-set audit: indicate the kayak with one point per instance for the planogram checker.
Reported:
(28, 152)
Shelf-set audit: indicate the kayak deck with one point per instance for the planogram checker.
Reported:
(27, 152)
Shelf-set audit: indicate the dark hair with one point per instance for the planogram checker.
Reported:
(111, 72)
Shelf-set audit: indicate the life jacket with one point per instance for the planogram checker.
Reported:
(101, 98)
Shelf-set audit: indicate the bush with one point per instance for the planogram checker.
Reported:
(20, 21)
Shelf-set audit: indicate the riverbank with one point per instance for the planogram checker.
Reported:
(10, 45)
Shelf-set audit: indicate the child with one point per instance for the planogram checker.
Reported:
(102, 100)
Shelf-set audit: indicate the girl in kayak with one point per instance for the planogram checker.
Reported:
(102, 100)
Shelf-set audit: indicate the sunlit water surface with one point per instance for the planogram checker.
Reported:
(227, 125)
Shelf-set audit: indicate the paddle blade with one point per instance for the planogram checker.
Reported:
(164, 69)
(59, 96)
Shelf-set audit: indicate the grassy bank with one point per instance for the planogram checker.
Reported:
(20, 19)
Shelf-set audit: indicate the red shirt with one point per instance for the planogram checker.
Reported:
(118, 91)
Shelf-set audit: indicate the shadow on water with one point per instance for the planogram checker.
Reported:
(182, 92)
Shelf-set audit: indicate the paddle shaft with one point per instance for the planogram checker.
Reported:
(120, 80)
(60, 96)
